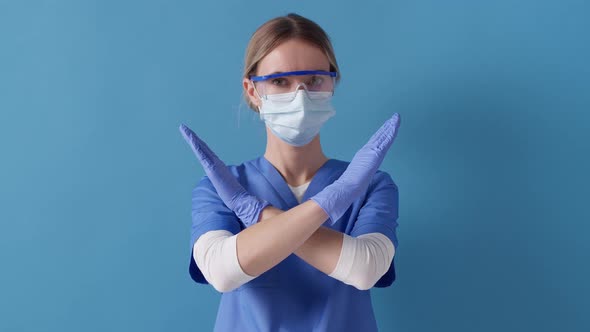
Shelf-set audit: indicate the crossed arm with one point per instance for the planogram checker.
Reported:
(287, 232)
(229, 261)
(333, 253)
(272, 235)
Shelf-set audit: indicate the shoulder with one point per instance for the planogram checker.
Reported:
(382, 188)
(383, 179)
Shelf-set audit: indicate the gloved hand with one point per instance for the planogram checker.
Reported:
(245, 205)
(336, 198)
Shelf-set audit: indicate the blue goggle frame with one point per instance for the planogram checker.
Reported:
(293, 73)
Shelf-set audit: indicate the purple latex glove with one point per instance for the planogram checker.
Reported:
(336, 198)
(245, 205)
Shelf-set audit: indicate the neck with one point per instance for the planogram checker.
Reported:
(297, 165)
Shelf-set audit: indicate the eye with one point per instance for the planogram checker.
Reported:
(316, 81)
(279, 82)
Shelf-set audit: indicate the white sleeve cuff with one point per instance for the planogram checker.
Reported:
(363, 260)
(216, 256)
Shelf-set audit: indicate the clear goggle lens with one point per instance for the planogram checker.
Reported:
(289, 82)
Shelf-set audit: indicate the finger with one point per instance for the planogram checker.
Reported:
(396, 121)
(384, 131)
(387, 133)
(392, 123)
(207, 158)
(204, 149)
(387, 125)
(391, 131)
(193, 140)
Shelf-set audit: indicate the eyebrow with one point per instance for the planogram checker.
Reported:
(280, 72)
(296, 72)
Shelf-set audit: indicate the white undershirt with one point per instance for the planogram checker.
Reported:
(299, 191)
(363, 259)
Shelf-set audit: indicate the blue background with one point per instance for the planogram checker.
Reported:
(492, 156)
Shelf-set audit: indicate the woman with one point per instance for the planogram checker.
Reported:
(294, 240)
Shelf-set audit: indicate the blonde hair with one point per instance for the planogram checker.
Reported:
(280, 29)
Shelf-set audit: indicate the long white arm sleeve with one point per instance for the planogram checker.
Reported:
(216, 256)
(363, 260)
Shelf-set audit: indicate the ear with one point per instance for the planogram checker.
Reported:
(249, 90)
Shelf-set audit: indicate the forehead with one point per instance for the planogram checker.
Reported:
(293, 55)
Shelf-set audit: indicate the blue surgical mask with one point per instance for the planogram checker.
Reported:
(296, 117)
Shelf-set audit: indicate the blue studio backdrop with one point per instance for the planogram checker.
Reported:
(491, 160)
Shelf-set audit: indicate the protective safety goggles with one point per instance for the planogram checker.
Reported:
(288, 82)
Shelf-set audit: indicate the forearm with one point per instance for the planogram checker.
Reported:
(277, 235)
(321, 250)
(357, 261)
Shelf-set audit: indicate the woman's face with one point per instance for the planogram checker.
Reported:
(292, 55)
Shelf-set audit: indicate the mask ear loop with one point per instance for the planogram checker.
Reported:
(333, 85)
(255, 90)
(259, 98)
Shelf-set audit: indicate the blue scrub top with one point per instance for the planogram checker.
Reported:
(293, 295)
